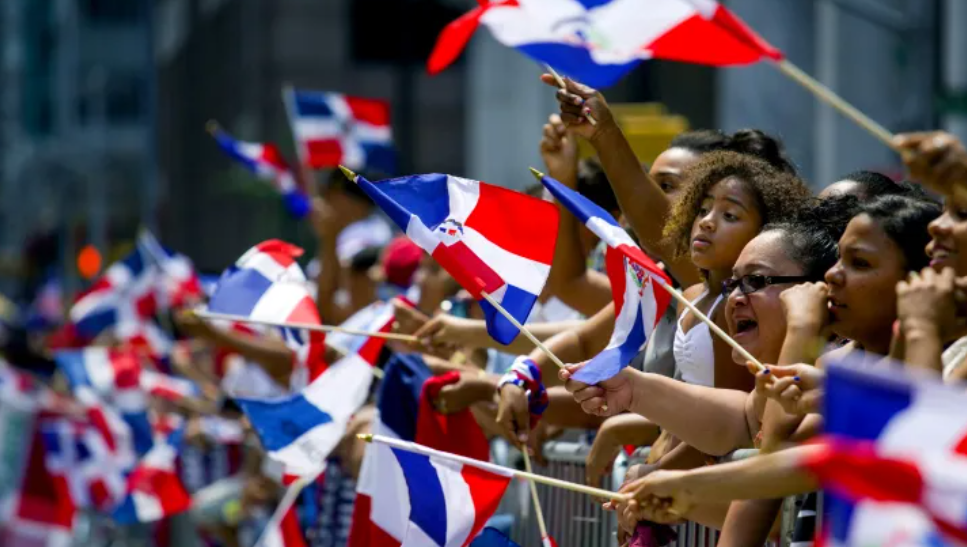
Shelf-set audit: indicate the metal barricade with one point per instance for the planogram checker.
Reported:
(576, 520)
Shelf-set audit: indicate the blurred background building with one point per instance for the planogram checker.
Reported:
(103, 105)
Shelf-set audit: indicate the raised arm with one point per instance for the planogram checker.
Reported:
(642, 200)
(272, 355)
(570, 280)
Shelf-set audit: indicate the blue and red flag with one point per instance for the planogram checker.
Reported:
(102, 376)
(154, 489)
(599, 41)
(639, 301)
(301, 431)
(333, 129)
(488, 238)
(390, 506)
(267, 284)
(894, 461)
(265, 161)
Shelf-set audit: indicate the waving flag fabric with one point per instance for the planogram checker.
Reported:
(488, 238)
(404, 411)
(286, 534)
(639, 301)
(599, 41)
(446, 503)
(266, 162)
(178, 283)
(130, 282)
(266, 283)
(78, 453)
(895, 464)
(302, 430)
(101, 374)
(40, 512)
(168, 387)
(154, 488)
(333, 129)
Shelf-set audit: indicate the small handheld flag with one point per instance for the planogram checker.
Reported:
(599, 42)
(495, 242)
(639, 300)
(333, 129)
(266, 162)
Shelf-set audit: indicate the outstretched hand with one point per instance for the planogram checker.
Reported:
(576, 102)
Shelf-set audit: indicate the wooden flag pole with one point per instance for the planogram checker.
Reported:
(530, 336)
(541, 525)
(493, 468)
(563, 85)
(288, 94)
(677, 295)
(829, 97)
(305, 326)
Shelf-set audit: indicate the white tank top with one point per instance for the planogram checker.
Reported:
(694, 353)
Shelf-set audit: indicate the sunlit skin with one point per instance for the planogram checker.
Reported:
(948, 246)
(727, 219)
(667, 169)
(843, 187)
(756, 320)
(862, 285)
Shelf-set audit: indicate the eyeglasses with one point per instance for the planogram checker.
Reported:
(749, 284)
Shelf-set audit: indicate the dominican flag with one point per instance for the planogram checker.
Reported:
(444, 502)
(386, 505)
(39, 511)
(267, 284)
(488, 238)
(81, 455)
(286, 533)
(599, 41)
(129, 282)
(154, 489)
(894, 465)
(266, 162)
(639, 301)
(99, 374)
(333, 129)
(376, 317)
(178, 284)
(145, 338)
(168, 387)
(301, 431)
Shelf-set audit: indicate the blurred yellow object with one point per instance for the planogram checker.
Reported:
(232, 512)
(648, 126)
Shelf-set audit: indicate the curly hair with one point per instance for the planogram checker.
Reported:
(779, 195)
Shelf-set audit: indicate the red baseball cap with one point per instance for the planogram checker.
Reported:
(401, 258)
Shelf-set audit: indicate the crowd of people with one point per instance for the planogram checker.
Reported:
(869, 266)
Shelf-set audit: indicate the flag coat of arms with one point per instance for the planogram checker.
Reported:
(894, 460)
(639, 301)
(333, 129)
(390, 508)
(488, 238)
(599, 41)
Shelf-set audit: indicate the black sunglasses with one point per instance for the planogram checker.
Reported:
(751, 283)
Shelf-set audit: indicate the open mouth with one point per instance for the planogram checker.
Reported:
(743, 326)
